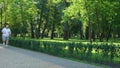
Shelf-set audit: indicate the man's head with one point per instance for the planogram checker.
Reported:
(6, 25)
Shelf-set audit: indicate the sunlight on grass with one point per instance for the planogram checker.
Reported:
(77, 41)
(111, 41)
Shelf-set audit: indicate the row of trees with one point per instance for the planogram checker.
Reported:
(86, 19)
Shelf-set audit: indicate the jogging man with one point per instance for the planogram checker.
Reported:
(5, 35)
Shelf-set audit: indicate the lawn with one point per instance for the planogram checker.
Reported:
(111, 41)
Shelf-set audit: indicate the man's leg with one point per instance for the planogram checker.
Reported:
(7, 41)
(3, 42)
(3, 39)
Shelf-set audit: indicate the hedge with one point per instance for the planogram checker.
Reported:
(98, 53)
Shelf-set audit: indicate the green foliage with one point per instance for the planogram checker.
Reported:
(100, 53)
(100, 13)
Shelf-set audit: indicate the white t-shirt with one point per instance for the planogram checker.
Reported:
(6, 32)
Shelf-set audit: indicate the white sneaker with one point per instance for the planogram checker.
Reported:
(6, 45)
(3, 43)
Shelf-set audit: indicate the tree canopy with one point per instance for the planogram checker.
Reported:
(84, 19)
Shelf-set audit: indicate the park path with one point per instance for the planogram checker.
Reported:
(12, 57)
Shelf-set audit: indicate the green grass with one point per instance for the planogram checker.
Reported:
(111, 41)
(78, 40)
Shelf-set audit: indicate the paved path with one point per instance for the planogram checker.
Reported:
(12, 57)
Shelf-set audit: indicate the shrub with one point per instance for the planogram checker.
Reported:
(100, 53)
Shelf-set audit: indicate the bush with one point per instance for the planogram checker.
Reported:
(100, 53)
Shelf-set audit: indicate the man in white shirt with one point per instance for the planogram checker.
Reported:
(5, 35)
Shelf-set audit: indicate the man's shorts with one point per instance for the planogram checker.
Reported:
(5, 38)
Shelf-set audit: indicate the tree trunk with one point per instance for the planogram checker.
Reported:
(1, 18)
(81, 34)
(5, 5)
(36, 33)
(118, 35)
(53, 23)
(40, 21)
(53, 27)
(32, 29)
(109, 31)
(45, 26)
(22, 20)
(87, 33)
(89, 24)
(66, 31)
(93, 35)
(98, 24)
(66, 25)
(15, 35)
(90, 30)
(22, 13)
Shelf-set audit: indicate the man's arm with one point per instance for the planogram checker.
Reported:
(9, 31)
(2, 30)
